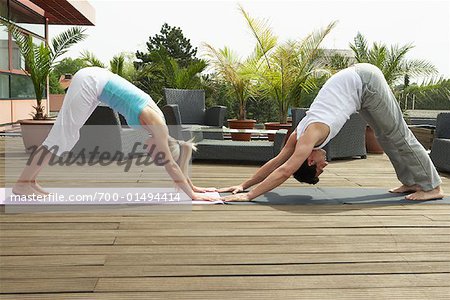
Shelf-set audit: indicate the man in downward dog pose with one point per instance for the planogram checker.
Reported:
(88, 88)
(361, 88)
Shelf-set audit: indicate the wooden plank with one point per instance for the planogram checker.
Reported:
(279, 258)
(343, 223)
(52, 260)
(233, 232)
(435, 293)
(219, 249)
(269, 282)
(278, 240)
(48, 241)
(224, 270)
(229, 217)
(37, 285)
(57, 225)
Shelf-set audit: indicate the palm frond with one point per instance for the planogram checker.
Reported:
(63, 41)
(91, 60)
(117, 64)
(266, 40)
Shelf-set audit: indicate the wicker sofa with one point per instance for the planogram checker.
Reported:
(228, 150)
(440, 149)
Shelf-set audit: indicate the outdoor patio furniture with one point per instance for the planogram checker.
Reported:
(104, 129)
(440, 150)
(349, 142)
(297, 115)
(186, 109)
(257, 151)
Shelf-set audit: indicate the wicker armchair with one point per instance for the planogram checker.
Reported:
(186, 109)
(349, 142)
(440, 150)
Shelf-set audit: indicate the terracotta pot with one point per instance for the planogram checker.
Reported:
(276, 126)
(241, 124)
(34, 132)
(372, 144)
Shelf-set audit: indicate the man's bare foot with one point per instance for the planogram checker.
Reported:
(406, 189)
(436, 193)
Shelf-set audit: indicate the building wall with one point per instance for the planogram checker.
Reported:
(14, 110)
(17, 93)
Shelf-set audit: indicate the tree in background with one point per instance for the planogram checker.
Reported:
(171, 40)
(391, 60)
(121, 64)
(169, 62)
(65, 66)
(430, 94)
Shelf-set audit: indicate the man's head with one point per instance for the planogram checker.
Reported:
(313, 166)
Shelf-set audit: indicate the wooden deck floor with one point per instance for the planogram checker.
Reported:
(233, 252)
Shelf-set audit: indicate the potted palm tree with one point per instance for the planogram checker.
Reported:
(286, 70)
(394, 65)
(237, 75)
(39, 62)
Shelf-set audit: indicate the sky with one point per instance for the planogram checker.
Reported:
(126, 25)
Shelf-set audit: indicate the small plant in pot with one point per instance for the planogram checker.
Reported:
(237, 75)
(39, 62)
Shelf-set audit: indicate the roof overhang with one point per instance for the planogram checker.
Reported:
(67, 12)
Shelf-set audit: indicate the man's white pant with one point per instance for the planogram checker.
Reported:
(382, 112)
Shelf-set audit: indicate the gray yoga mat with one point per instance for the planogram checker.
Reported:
(318, 195)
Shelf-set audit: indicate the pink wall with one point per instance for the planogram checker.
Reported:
(21, 109)
(56, 101)
(5, 109)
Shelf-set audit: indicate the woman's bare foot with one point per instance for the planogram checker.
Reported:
(37, 187)
(28, 189)
(436, 193)
(406, 189)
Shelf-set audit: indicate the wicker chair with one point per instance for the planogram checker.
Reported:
(349, 142)
(440, 150)
(186, 109)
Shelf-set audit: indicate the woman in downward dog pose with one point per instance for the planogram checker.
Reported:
(88, 88)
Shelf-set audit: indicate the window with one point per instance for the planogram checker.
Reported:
(18, 62)
(4, 9)
(22, 87)
(4, 56)
(4, 86)
(27, 19)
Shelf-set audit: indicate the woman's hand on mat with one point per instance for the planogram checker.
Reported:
(234, 189)
(241, 197)
(203, 197)
(197, 189)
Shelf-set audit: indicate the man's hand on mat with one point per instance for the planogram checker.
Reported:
(241, 197)
(234, 189)
(204, 190)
